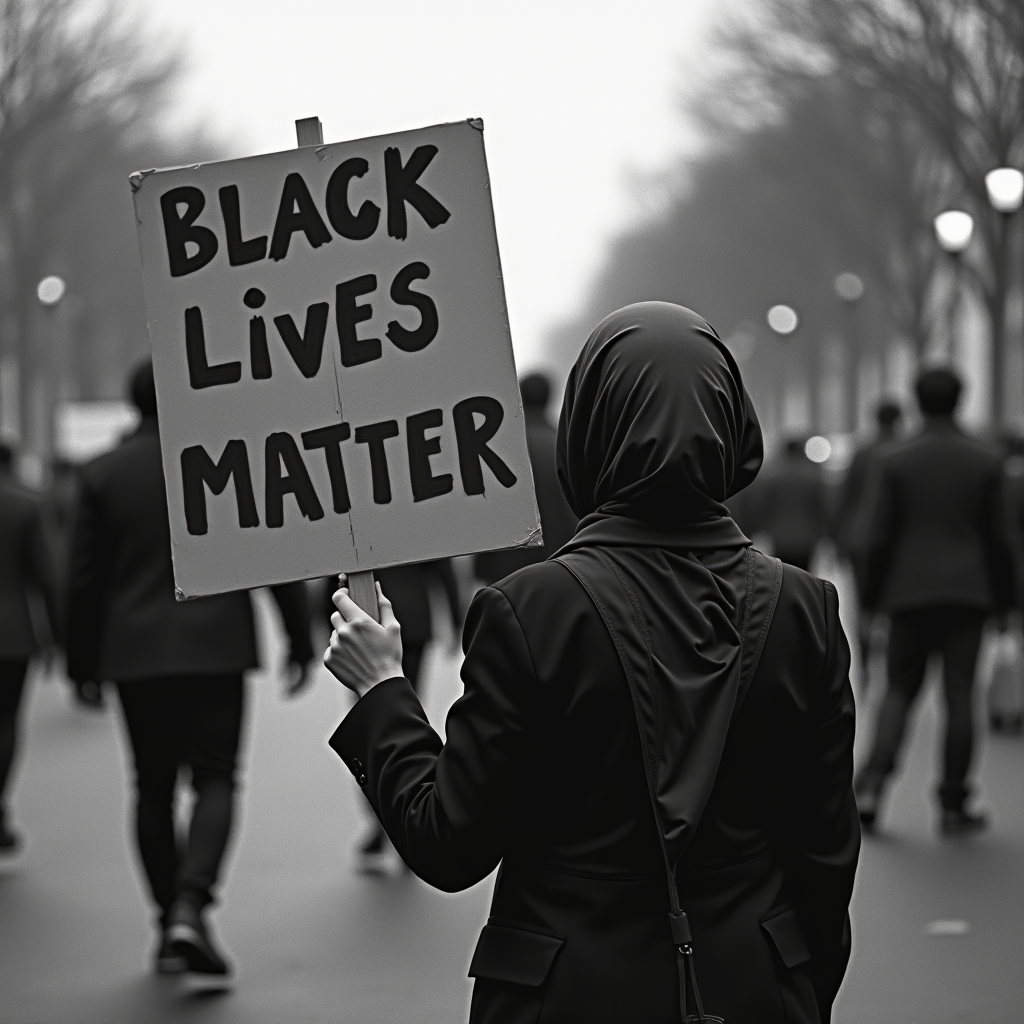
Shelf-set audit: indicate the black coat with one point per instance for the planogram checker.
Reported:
(556, 518)
(122, 620)
(25, 569)
(791, 505)
(542, 772)
(937, 530)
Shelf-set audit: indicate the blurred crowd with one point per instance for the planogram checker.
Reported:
(929, 520)
(87, 585)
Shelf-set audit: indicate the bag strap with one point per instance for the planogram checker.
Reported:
(764, 583)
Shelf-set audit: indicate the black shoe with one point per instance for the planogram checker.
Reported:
(167, 960)
(868, 807)
(959, 822)
(10, 841)
(188, 936)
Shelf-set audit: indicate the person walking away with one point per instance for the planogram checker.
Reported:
(408, 588)
(661, 764)
(26, 575)
(792, 506)
(556, 518)
(852, 512)
(938, 559)
(178, 671)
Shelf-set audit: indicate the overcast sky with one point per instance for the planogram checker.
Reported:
(578, 98)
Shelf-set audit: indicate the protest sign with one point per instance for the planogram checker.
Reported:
(333, 363)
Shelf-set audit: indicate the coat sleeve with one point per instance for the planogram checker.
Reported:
(444, 806)
(87, 575)
(293, 602)
(822, 826)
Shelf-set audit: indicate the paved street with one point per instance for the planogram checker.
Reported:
(314, 942)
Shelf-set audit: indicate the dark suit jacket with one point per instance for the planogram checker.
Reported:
(542, 771)
(122, 621)
(937, 531)
(557, 521)
(791, 505)
(854, 492)
(25, 567)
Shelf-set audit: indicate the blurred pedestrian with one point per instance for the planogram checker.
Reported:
(852, 512)
(178, 668)
(938, 559)
(617, 748)
(26, 577)
(59, 507)
(792, 507)
(408, 588)
(556, 518)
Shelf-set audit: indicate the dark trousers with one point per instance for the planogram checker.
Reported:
(12, 686)
(194, 722)
(955, 633)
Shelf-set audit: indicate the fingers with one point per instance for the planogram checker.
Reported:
(350, 611)
(387, 611)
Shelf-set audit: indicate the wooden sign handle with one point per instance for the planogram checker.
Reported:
(361, 585)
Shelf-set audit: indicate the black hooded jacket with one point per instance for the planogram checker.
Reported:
(542, 770)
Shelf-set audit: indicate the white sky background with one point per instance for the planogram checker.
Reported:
(579, 100)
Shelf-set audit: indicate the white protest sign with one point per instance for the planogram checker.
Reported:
(333, 363)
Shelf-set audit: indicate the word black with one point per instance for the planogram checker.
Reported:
(297, 211)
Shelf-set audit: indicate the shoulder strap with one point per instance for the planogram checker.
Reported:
(596, 573)
(764, 584)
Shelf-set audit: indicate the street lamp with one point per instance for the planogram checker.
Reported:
(849, 289)
(1005, 187)
(50, 291)
(953, 230)
(783, 320)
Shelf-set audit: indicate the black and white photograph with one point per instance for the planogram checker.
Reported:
(511, 513)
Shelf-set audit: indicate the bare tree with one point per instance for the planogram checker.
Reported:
(77, 83)
(954, 69)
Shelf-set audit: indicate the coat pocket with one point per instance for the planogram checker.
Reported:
(796, 992)
(784, 930)
(510, 965)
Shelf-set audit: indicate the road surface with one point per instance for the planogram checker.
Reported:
(939, 925)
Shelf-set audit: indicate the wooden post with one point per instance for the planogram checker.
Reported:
(361, 585)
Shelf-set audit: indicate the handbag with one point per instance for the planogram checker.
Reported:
(597, 574)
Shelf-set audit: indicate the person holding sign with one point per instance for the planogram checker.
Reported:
(657, 675)
(178, 668)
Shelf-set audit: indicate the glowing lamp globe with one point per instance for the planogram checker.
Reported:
(783, 319)
(849, 287)
(953, 229)
(818, 448)
(1005, 187)
(51, 290)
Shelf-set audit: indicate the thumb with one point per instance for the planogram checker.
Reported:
(387, 612)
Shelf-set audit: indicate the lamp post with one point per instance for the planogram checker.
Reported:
(50, 292)
(1005, 188)
(849, 289)
(953, 230)
(783, 321)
